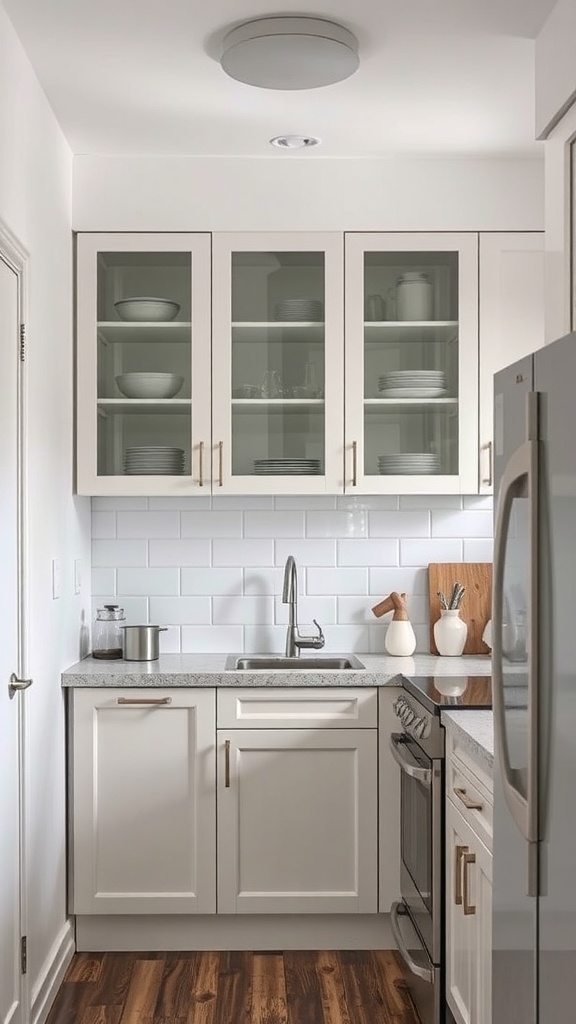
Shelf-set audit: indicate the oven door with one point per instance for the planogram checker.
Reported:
(421, 845)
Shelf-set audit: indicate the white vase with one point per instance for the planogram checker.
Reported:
(400, 639)
(450, 633)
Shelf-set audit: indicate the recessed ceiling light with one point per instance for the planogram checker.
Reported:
(289, 53)
(294, 141)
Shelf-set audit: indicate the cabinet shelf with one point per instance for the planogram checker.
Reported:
(276, 403)
(382, 403)
(149, 406)
(114, 331)
(403, 331)
(272, 330)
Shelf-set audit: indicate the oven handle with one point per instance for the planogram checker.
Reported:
(414, 771)
(417, 969)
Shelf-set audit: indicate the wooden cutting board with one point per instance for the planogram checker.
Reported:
(476, 605)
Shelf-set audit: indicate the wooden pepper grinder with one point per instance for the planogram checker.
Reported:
(400, 639)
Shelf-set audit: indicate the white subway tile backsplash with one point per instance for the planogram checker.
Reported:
(211, 569)
(274, 524)
(336, 581)
(103, 525)
(421, 552)
(409, 581)
(211, 524)
(148, 524)
(243, 552)
(346, 523)
(180, 611)
(148, 582)
(367, 552)
(119, 552)
(463, 524)
(209, 581)
(212, 639)
(400, 524)
(306, 552)
(242, 611)
(179, 552)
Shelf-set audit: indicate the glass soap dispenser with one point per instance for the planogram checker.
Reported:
(107, 642)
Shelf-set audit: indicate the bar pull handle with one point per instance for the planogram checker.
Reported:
(17, 684)
(145, 700)
(220, 463)
(468, 801)
(354, 463)
(459, 853)
(201, 464)
(467, 859)
(227, 764)
(490, 477)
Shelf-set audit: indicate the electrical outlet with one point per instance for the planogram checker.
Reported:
(55, 579)
(77, 575)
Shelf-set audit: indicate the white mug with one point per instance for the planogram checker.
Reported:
(413, 296)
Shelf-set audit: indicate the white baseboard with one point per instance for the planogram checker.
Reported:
(51, 974)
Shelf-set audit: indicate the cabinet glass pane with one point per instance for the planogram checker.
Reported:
(278, 363)
(144, 363)
(411, 398)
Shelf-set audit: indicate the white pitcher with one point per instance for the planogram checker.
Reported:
(414, 296)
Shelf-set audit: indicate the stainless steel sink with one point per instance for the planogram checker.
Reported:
(251, 662)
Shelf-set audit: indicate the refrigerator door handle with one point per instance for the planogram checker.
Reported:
(519, 480)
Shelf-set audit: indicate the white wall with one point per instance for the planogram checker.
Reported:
(296, 191)
(555, 66)
(35, 203)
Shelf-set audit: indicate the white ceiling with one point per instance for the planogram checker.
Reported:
(436, 77)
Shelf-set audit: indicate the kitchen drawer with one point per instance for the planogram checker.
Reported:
(455, 748)
(472, 798)
(297, 708)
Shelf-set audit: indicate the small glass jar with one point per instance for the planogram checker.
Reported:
(107, 641)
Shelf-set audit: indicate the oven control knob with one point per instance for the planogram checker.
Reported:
(409, 716)
(420, 727)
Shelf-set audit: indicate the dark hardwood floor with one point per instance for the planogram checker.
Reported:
(365, 987)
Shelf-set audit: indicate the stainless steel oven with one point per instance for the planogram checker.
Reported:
(418, 918)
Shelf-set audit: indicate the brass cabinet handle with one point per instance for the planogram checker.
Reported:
(227, 764)
(220, 462)
(488, 448)
(17, 684)
(201, 464)
(459, 853)
(468, 801)
(467, 859)
(354, 463)
(145, 700)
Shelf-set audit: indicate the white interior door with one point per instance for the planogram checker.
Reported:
(10, 708)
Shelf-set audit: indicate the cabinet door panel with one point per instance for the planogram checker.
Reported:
(143, 782)
(297, 821)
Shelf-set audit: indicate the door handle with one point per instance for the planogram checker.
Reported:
(17, 684)
(201, 464)
(458, 855)
(227, 764)
(467, 860)
(489, 478)
(413, 771)
(156, 701)
(468, 801)
(354, 463)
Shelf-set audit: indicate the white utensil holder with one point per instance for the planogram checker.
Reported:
(450, 633)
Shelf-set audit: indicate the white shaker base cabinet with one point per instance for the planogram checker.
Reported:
(143, 805)
(297, 807)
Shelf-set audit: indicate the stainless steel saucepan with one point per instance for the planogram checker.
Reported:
(142, 643)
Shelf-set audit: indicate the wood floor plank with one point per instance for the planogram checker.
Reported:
(85, 967)
(175, 987)
(332, 993)
(204, 988)
(392, 980)
(303, 996)
(101, 1015)
(112, 986)
(268, 989)
(143, 992)
(70, 1002)
(234, 997)
(363, 996)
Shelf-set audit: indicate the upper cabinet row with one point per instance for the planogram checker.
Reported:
(297, 363)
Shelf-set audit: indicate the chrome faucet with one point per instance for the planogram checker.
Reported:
(294, 642)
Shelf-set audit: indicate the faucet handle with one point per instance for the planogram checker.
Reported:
(320, 640)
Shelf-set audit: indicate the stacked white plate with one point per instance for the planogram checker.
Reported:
(408, 462)
(412, 384)
(154, 460)
(299, 309)
(286, 467)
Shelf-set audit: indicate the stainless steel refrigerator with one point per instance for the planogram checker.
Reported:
(534, 689)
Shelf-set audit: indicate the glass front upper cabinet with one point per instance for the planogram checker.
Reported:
(411, 363)
(278, 363)
(143, 364)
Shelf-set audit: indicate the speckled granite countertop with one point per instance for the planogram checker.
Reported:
(475, 729)
(208, 670)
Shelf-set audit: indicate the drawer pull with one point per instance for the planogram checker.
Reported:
(201, 464)
(467, 859)
(460, 851)
(468, 802)
(354, 463)
(145, 700)
(227, 764)
(220, 463)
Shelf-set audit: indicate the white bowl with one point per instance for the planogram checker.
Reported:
(149, 385)
(144, 307)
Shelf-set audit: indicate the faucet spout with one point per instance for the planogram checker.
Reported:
(294, 642)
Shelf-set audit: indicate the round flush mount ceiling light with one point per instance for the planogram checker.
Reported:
(294, 141)
(289, 53)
